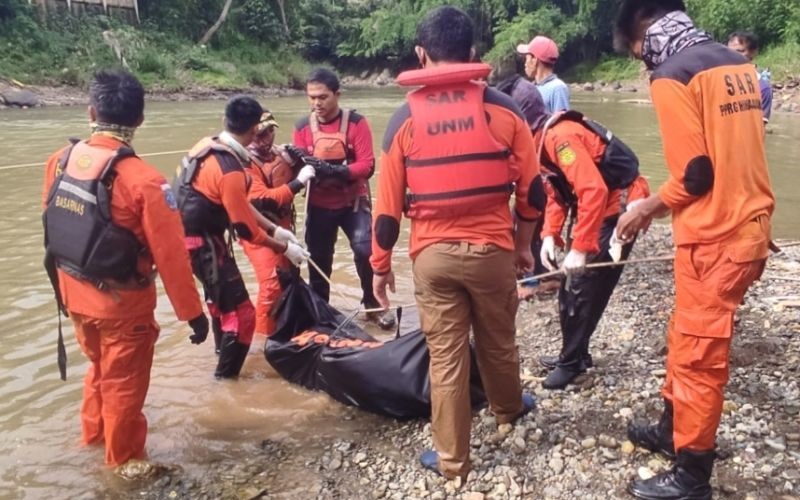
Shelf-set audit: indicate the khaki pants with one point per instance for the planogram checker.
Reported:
(458, 286)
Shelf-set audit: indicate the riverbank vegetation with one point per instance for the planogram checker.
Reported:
(274, 42)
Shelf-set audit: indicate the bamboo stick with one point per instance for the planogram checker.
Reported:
(661, 258)
(330, 283)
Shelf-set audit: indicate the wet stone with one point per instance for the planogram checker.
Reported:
(607, 441)
(777, 444)
(556, 465)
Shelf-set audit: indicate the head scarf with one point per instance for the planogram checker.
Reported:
(226, 138)
(669, 35)
(119, 132)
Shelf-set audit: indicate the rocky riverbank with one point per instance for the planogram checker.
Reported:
(573, 445)
(29, 96)
(785, 99)
(786, 95)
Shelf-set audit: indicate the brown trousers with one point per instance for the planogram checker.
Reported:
(458, 286)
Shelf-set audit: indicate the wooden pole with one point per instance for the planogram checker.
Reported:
(330, 283)
(136, 9)
(661, 258)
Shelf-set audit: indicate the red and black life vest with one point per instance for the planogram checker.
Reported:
(79, 233)
(619, 166)
(455, 166)
(199, 214)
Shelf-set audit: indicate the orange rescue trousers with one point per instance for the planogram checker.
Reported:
(711, 281)
(121, 354)
(266, 263)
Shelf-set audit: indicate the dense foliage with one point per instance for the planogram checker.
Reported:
(268, 42)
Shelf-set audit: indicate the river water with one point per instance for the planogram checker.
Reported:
(195, 421)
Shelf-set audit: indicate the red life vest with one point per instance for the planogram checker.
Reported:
(455, 167)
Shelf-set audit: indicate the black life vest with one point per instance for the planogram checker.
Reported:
(619, 166)
(199, 214)
(78, 231)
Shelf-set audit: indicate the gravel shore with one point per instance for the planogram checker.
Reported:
(573, 445)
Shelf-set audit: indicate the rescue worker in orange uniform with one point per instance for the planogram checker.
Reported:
(212, 197)
(591, 177)
(460, 150)
(708, 104)
(275, 180)
(110, 221)
(339, 144)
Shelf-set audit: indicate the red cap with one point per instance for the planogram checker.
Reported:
(542, 48)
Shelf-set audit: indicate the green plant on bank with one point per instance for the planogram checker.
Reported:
(608, 69)
(274, 42)
(546, 20)
(73, 47)
(783, 61)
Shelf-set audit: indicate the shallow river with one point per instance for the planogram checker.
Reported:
(196, 421)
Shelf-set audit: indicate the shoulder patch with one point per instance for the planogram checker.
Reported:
(169, 196)
(566, 155)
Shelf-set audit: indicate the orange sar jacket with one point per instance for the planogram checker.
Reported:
(140, 202)
(578, 152)
(228, 187)
(509, 129)
(708, 103)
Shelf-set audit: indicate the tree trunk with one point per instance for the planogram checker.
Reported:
(282, 8)
(213, 29)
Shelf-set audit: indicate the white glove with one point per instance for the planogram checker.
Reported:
(575, 262)
(295, 253)
(306, 174)
(285, 236)
(632, 205)
(615, 247)
(548, 253)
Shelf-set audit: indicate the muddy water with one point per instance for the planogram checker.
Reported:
(196, 421)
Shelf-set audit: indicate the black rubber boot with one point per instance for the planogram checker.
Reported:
(231, 357)
(689, 479)
(561, 377)
(550, 362)
(655, 437)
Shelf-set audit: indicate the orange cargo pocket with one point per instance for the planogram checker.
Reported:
(742, 265)
(744, 258)
(711, 324)
(703, 339)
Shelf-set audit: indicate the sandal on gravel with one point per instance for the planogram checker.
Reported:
(429, 460)
(528, 405)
